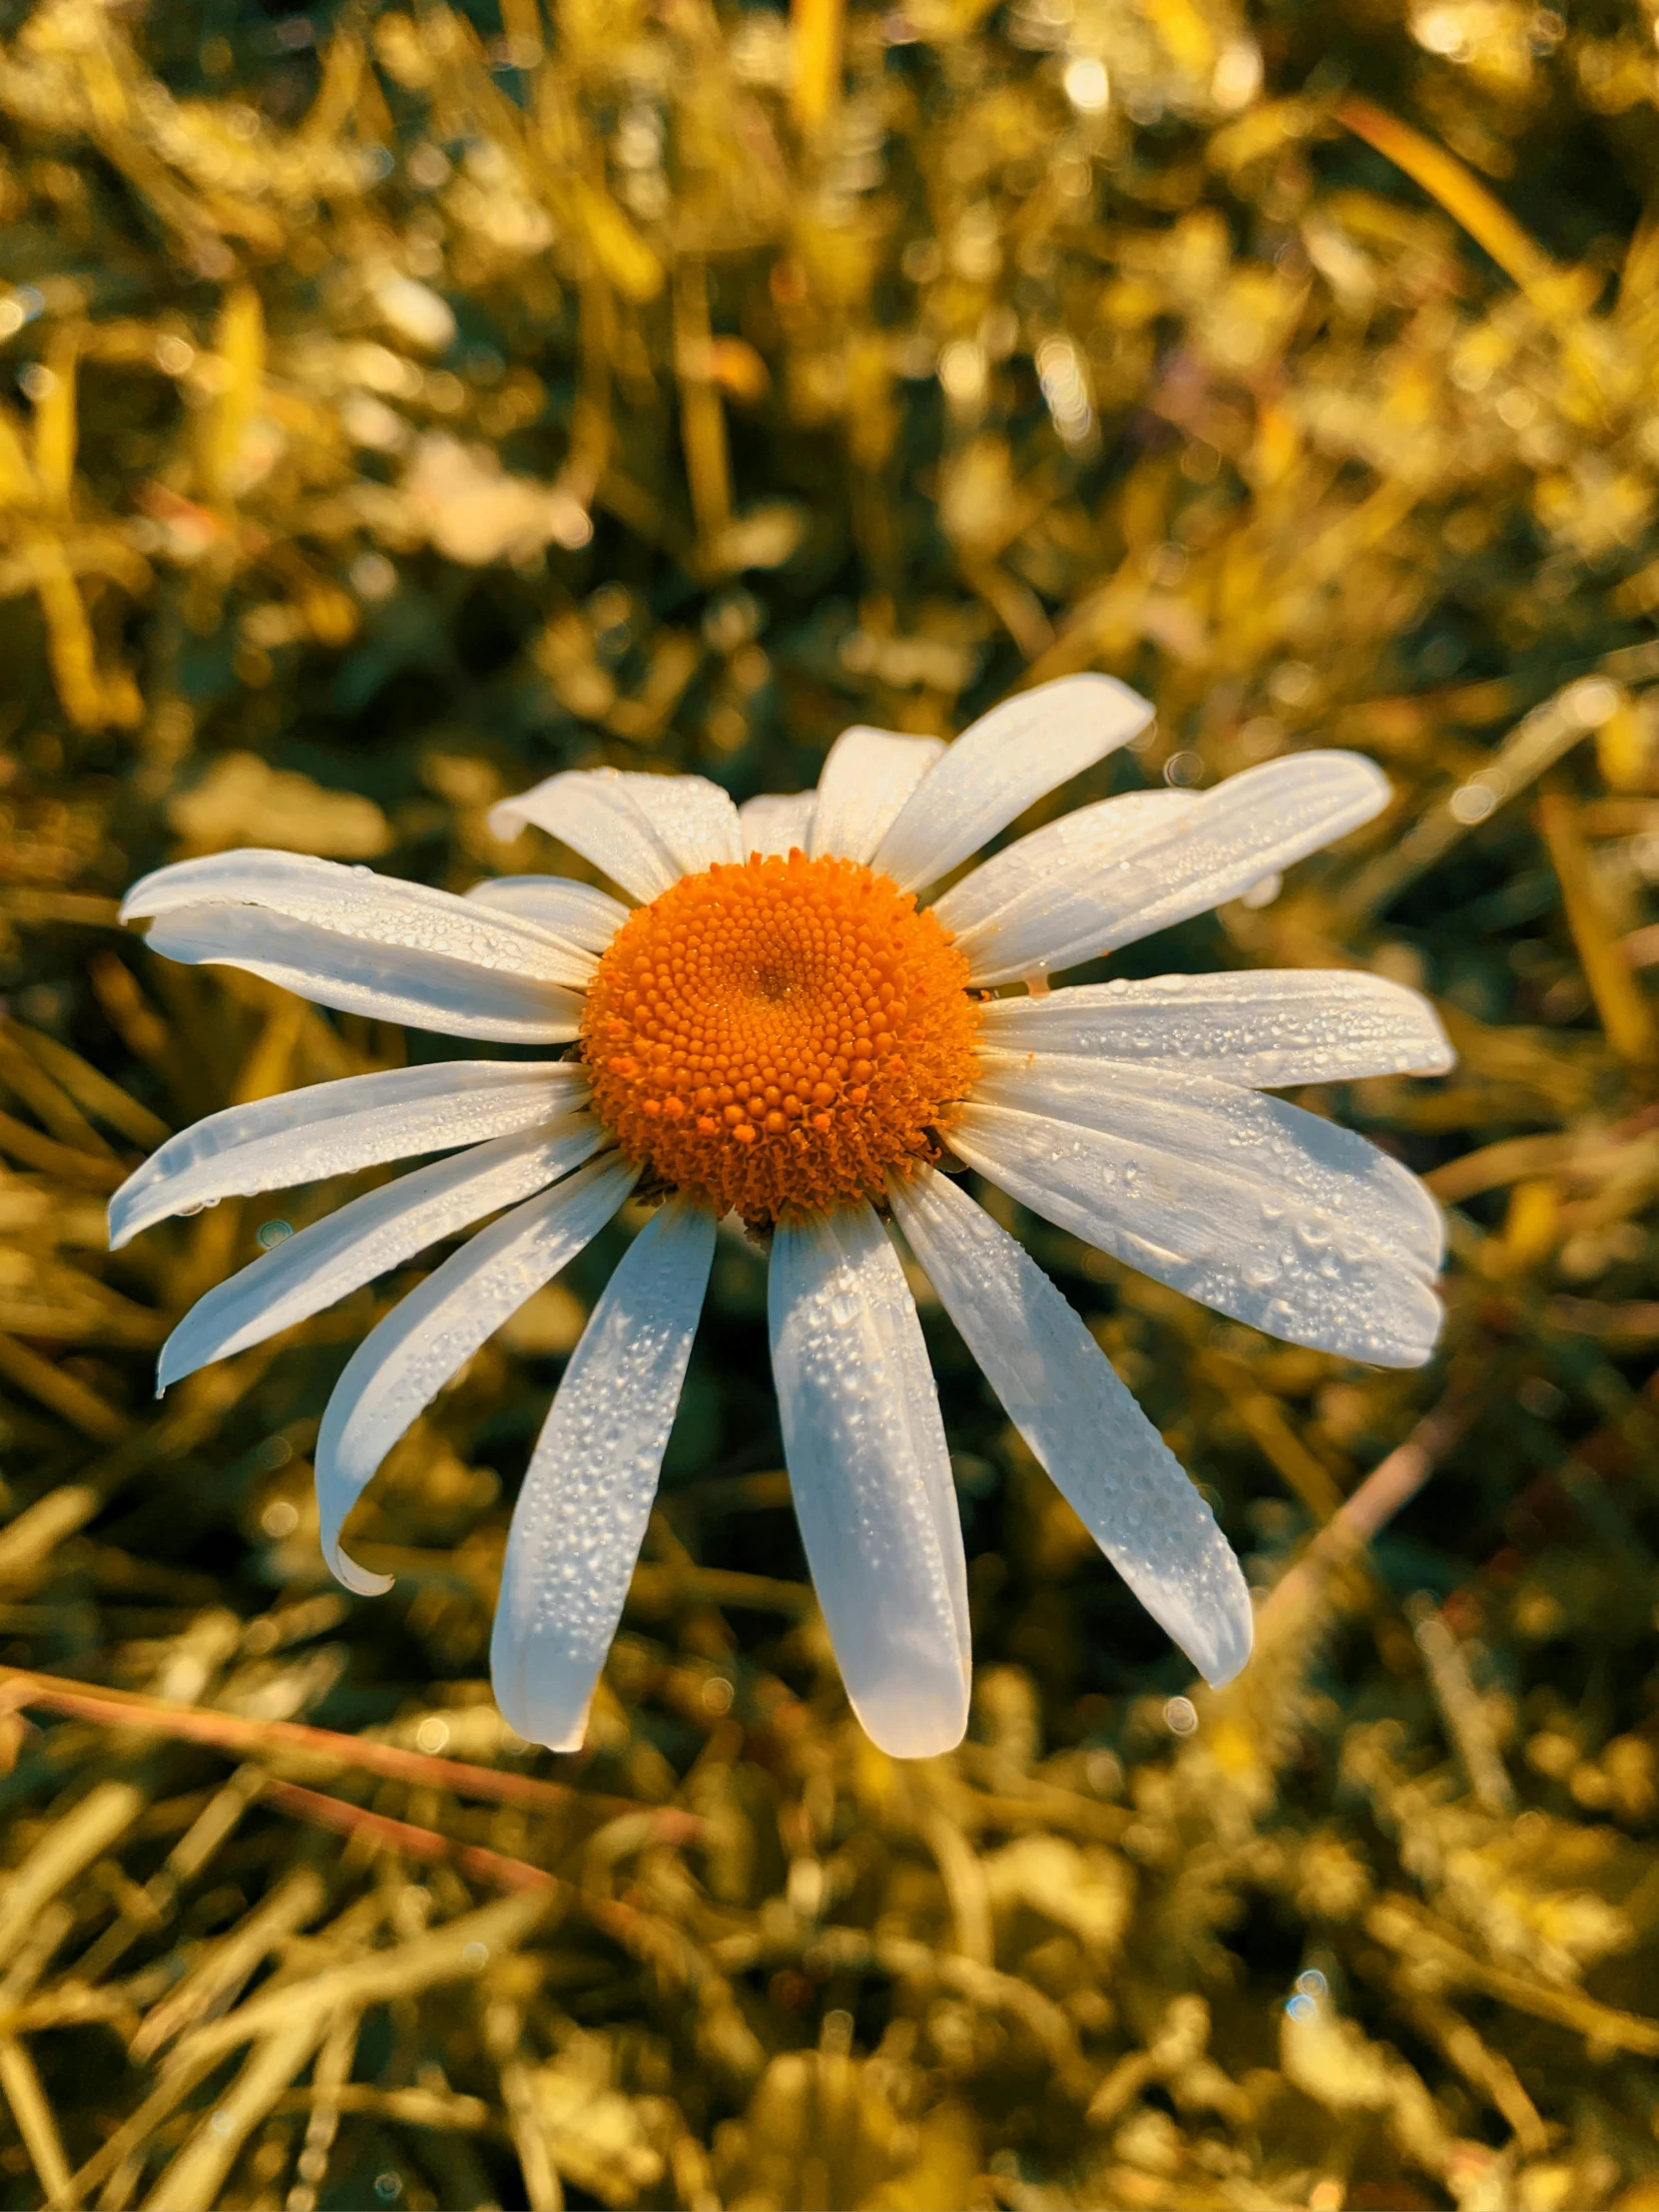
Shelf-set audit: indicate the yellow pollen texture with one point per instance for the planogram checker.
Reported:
(776, 1035)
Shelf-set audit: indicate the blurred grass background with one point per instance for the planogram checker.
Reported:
(400, 405)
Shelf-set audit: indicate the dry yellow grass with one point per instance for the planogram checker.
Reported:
(400, 404)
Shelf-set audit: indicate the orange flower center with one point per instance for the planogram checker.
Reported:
(777, 1035)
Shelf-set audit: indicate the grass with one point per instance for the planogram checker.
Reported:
(402, 406)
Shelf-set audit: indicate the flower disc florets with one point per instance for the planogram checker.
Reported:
(774, 1036)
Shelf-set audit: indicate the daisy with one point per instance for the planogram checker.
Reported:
(775, 1022)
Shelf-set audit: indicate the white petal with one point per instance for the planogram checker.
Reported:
(1074, 844)
(1062, 1393)
(867, 775)
(578, 913)
(1267, 1028)
(1246, 1204)
(1234, 1131)
(1212, 852)
(871, 1477)
(357, 904)
(421, 990)
(401, 1366)
(999, 766)
(645, 832)
(332, 1128)
(582, 1513)
(776, 823)
(361, 1240)
(695, 819)
(591, 810)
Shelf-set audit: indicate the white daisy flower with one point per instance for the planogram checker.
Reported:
(779, 1024)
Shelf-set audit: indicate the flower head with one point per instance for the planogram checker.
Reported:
(777, 1035)
(779, 1023)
